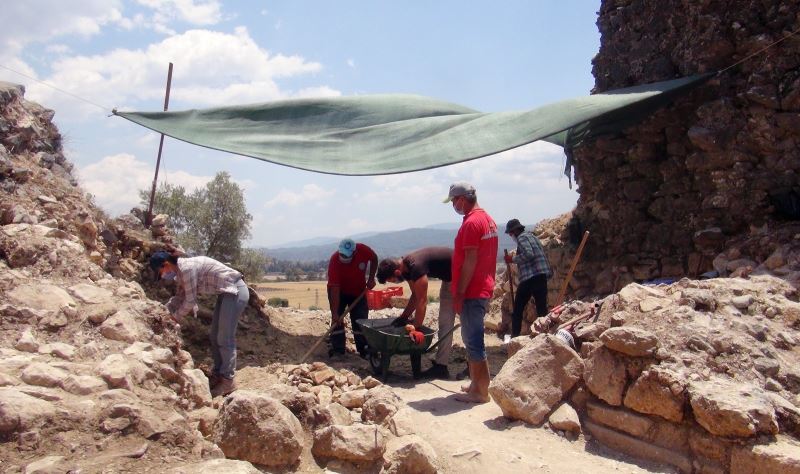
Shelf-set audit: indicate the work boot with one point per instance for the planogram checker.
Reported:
(213, 380)
(436, 371)
(224, 387)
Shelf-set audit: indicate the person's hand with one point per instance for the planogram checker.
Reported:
(371, 283)
(418, 337)
(458, 302)
(508, 258)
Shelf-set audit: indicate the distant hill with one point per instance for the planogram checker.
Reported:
(385, 244)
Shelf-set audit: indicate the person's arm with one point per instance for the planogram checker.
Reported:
(333, 299)
(467, 270)
(373, 268)
(419, 295)
(524, 249)
(188, 281)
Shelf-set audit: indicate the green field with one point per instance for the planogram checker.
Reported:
(304, 294)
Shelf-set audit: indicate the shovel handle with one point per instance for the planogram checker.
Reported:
(328, 332)
(442, 338)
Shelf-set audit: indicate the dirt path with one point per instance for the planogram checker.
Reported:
(478, 439)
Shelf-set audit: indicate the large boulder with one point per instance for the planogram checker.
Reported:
(657, 391)
(630, 340)
(780, 457)
(41, 296)
(604, 374)
(90, 294)
(532, 382)
(734, 410)
(380, 403)
(257, 428)
(351, 443)
(409, 455)
(124, 326)
(20, 412)
(565, 418)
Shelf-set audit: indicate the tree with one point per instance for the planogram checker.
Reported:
(211, 221)
(252, 263)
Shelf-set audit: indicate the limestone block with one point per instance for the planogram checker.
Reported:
(780, 457)
(620, 419)
(733, 410)
(565, 418)
(409, 454)
(657, 391)
(257, 428)
(604, 374)
(352, 443)
(532, 382)
(638, 448)
(630, 340)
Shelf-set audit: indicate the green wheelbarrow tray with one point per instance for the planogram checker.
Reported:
(385, 341)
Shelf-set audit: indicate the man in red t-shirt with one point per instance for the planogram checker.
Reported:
(474, 266)
(347, 279)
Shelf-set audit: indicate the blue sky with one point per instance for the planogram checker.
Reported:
(490, 56)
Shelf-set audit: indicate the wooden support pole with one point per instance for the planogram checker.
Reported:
(574, 264)
(149, 215)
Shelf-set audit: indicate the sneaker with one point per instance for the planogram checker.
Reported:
(224, 387)
(214, 380)
(436, 371)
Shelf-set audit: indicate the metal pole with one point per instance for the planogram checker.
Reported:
(149, 216)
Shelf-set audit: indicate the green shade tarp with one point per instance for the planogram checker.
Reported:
(386, 134)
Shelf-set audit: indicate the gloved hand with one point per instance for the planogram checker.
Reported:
(417, 337)
(508, 258)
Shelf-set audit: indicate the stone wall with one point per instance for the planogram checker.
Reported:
(662, 198)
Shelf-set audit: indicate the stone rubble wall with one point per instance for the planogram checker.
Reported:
(699, 375)
(662, 198)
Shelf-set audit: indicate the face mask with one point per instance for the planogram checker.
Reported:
(458, 210)
(169, 276)
(345, 259)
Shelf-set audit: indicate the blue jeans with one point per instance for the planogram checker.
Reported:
(223, 329)
(472, 315)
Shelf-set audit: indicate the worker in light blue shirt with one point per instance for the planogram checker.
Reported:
(534, 271)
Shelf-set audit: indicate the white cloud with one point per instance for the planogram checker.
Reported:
(115, 181)
(194, 12)
(58, 49)
(351, 62)
(210, 68)
(41, 20)
(310, 193)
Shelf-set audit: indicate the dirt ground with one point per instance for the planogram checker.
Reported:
(467, 438)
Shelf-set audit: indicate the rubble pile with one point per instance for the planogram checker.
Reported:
(95, 376)
(699, 374)
(664, 198)
(343, 420)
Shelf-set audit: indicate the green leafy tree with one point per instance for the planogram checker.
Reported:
(252, 263)
(211, 221)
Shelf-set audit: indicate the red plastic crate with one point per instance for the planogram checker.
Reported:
(379, 299)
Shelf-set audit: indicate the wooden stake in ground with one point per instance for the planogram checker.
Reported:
(574, 264)
(328, 332)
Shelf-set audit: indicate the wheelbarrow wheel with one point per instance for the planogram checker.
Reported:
(375, 363)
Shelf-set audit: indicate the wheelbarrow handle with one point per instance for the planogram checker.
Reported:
(448, 333)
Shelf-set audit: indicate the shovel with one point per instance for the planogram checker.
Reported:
(328, 332)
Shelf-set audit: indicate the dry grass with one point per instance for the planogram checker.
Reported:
(304, 294)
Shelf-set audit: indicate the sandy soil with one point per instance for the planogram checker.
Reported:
(478, 439)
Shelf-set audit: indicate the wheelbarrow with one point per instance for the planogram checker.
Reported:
(385, 340)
